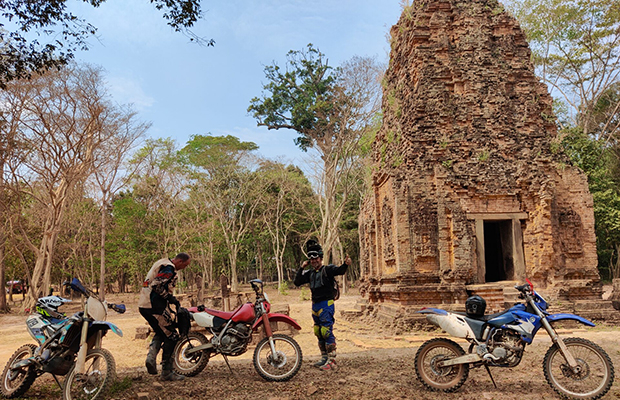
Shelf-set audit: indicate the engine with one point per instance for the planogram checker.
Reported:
(236, 339)
(505, 349)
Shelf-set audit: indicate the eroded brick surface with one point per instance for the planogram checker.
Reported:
(469, 136)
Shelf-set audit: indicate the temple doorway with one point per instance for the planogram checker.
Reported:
(498, 251)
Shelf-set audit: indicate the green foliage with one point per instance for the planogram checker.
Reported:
(575, 48)
(283, 288)
(484, 155)
(120, 385)
(600, 163)
(304, 294)
(300, 97)
(22, 55)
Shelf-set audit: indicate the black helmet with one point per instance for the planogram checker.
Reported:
(314, 249)
(475, 306)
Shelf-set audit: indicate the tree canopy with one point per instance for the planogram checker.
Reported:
(63, 33)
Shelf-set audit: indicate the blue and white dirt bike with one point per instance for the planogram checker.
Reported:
(575, 368)
(66, 346)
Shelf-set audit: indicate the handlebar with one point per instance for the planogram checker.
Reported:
(119, 308)
(523, 288)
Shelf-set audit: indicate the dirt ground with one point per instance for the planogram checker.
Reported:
(373, 363)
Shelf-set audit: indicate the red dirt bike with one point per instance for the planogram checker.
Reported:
(277, 357)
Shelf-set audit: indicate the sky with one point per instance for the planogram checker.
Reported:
(184, 89)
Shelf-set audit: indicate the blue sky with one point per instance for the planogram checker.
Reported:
(184, 89)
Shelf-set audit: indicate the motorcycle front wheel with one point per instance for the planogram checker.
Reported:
(281, 365)
(434, 377)
(16, 383)
(594, 377)
(99, 373)
(190, 364)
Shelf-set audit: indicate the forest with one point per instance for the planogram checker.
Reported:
(85, 192)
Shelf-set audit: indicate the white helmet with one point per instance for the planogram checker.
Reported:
(48, 306)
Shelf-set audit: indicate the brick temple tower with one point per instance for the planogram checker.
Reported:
(470, 192)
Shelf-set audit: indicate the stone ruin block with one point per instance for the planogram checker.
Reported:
(469, 186)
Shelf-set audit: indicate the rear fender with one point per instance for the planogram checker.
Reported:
(454, 324)
(572, 317)
(277, 318)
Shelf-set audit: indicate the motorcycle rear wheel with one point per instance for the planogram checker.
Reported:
(22, 380)
(446, 379)
(193, 364)
(99, 373)
(286, 362)
(596, 373)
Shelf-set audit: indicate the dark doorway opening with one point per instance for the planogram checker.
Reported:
(498, 251)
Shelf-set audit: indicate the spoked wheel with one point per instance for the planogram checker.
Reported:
(281, 365)
(16, 383)
(595, 373)
(431, 374)
(99, 373)
(184, 361)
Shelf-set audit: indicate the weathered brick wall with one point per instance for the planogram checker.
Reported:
(468, 129)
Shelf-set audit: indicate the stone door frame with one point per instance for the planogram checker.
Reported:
(517, 241)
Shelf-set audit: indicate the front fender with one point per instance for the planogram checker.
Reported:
(105, 325)
(277, 318)
(573, 317)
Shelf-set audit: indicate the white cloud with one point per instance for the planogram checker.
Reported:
(128, 91)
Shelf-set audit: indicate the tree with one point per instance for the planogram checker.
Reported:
(576, 51)
(284, 204)
(331, 109)
(22, 56)
(60, 119)
(107, 175)
(231, 189)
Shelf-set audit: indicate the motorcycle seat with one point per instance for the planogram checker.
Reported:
(221, 314)
(483, 318)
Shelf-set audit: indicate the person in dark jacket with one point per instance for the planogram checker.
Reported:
(321, 279)
(154, 304)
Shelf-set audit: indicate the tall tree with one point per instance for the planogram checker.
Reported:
(108, 175)
(331, 109)
(60, 118)
(576, 51)
(65, 33)
(284, 203)
(228, 185)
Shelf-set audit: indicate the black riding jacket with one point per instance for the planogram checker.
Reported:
(321, 281)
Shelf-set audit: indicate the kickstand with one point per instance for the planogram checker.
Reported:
(56, 379)
(230, 369)
(490, 376)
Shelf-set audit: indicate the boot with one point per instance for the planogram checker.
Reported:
(170, 375)
(167, 374)
(330, 364)
(323, 359)
(151, 357)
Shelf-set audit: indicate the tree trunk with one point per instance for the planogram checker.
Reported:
(259, 252)
(3, 304)
(103, 234)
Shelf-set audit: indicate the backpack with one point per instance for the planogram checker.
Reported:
(335, 288)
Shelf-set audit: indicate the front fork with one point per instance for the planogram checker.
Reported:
(555, 338)
(269, 333)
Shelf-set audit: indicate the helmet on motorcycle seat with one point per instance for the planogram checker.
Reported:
(48, 306)
(475, 306)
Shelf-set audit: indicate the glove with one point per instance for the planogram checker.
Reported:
(175, 302)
